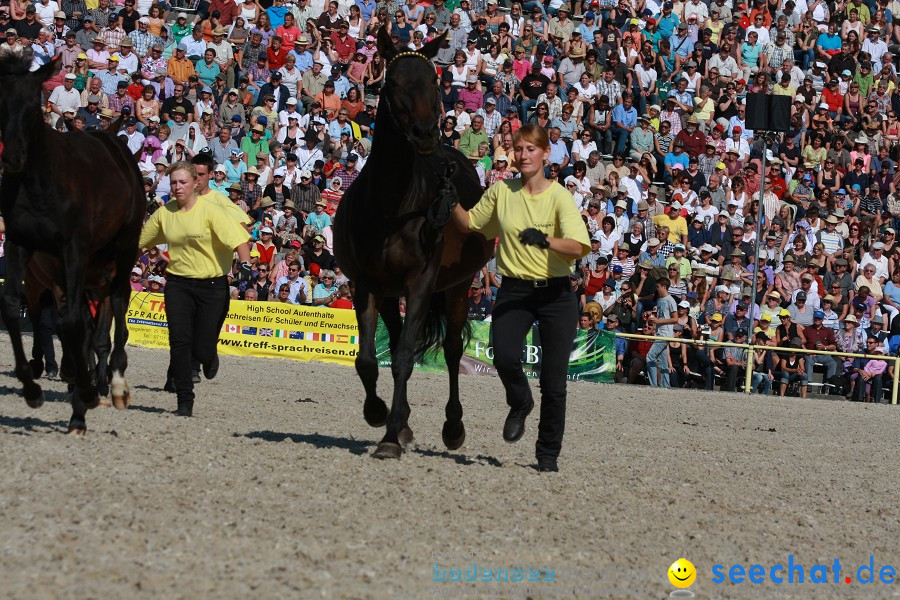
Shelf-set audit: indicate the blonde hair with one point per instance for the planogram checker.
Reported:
(183, 165)
(534, 134)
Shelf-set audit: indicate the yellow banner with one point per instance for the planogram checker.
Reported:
(258, 329)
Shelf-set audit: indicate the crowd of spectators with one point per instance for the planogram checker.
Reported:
(645, 105)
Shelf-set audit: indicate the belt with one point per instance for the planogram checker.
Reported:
(535, 283)
(219, 279)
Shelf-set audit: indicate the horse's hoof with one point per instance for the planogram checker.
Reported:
(122, 402)
(34, 395)
(104, 402)
(375, 412)
(405, 436)
(120, 391)
(77, 429)
(93, 402)
(387, 450)
(453, 437)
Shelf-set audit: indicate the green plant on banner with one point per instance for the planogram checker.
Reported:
(593, 355)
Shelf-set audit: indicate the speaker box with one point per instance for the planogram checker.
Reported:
(779, 113)
(768, 112)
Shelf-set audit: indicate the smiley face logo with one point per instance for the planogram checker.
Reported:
(682, 573)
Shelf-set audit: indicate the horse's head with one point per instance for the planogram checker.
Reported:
(20, 105)
(411, 93)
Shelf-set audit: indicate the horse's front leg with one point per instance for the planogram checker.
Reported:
(417, 305)
(10, 310)
(374, 409)
(390, 315)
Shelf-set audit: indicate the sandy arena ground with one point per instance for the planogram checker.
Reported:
(270, 492)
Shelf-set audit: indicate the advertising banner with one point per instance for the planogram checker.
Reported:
(271, 329)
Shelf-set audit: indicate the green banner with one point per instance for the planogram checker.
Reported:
(593, 356)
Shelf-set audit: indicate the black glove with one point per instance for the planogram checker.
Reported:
(534, 237)
(245, 272)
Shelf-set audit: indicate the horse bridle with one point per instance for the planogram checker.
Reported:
(438, 212)
(385, 97)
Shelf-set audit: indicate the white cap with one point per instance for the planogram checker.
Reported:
(220, 169)
(291, 101)
(305, 173)
(723, 288)
(137, 271)
(71, 76)
(684, 304)
(279, 172)
(707, 248)
(676, 205)
(266, 230)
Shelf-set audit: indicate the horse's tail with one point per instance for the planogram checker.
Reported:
(434, 330)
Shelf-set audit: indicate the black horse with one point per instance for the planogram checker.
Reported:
(389, 238)
(78, 198)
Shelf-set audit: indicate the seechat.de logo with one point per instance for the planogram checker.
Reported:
(682, 574)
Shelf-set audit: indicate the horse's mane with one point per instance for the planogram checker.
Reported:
(14, 63)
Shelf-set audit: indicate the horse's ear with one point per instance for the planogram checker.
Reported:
(431, 48)
(50, 69)
(386, 47)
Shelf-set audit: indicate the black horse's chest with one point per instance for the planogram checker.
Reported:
(28, 225)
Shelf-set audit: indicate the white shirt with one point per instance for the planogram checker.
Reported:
(66, 100)
(762, 32)
(129, 63)
(134, 141)
(45, 12)
(881, 264)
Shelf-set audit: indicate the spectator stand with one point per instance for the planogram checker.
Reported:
(748, 376)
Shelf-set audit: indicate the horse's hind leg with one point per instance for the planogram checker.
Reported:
(454, 432)
(374, 409)
(390, 315)
(10, 312)
(100, 346)
(74, 325)
(120, 295)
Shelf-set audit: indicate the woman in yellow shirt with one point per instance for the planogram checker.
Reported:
(201, 239)
(540, 234)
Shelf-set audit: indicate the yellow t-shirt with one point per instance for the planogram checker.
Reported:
(506, 209)
(201, 240)
(677, 227)
(220, 199)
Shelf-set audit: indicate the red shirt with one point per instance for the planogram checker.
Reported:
(136, 90)
(345, 48)
(779, 186)
(266, 254)
(276, 57)
(823, 334)
(342, 303)
(288, 35)
(228, 10)
(834, 99)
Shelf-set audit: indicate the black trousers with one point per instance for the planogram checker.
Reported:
(195, 309)
(555, 308)
(44, 328)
